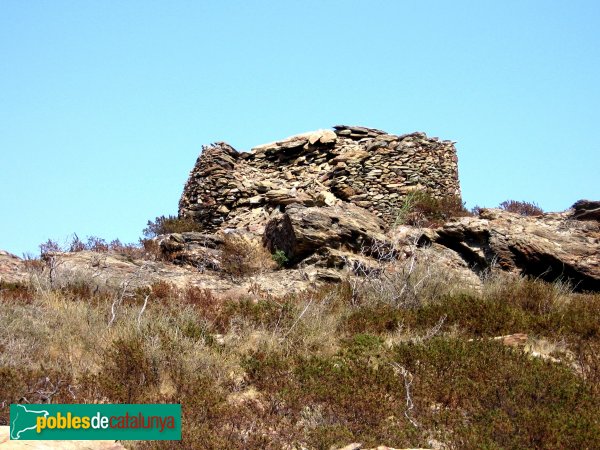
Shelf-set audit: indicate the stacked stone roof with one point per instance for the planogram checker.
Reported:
(365, 166)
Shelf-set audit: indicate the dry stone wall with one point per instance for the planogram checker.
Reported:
(368, 167)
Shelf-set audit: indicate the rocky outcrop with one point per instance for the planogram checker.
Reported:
(112, 272)
(552, 246)
(323, 198)
(363, 166)
(12, 268)
(586, 210)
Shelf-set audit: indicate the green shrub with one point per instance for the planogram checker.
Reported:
(280, 258)
(524, 305)
(355, 399)
(365, 342)
(259, 386)
(377, 318)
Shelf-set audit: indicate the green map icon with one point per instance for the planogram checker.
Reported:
(24, 420)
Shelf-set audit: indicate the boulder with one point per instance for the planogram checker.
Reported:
(586, 210)
(301, 231)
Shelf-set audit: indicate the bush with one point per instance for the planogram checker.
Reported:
(521, 305)
(33, 385)
(127, 372)
(587, 354)
(422, 209)
(19, 292)
(343, 399)
(50, 246)
(319, 369)
(163, 290)
(379, 318)
(97, 244)
(523, 208)
(170, 224)
(151, 250)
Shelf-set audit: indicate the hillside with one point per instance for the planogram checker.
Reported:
(323, 290)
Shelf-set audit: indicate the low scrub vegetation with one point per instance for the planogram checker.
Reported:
(146, 248)
(388, 361)
(523, 208)
(422, 209)
(97, 244)
(170, 224)
(514, 206)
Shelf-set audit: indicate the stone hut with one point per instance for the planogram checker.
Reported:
(364, 166)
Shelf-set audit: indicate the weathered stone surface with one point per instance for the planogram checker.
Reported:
(196, 249)
(553, 246)
(324, 275)
(339, 259)
(586, 210)
(323, 137)
(326, 198)
(110, 272)
(12, 268)
(301, 231)
(7, 444)
(513, 340)
(287, 197)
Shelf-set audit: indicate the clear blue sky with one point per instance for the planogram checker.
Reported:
(104, 105)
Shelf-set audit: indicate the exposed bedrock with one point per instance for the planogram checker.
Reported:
(552, 246)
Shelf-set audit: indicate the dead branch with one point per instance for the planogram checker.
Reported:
(408, 379)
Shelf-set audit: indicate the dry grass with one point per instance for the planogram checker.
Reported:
(322, 368)
(423, 209)
(241, 256)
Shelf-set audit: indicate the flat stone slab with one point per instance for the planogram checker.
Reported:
(7, 444)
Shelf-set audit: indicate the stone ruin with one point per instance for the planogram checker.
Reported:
(327, 200)
(366, 167)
